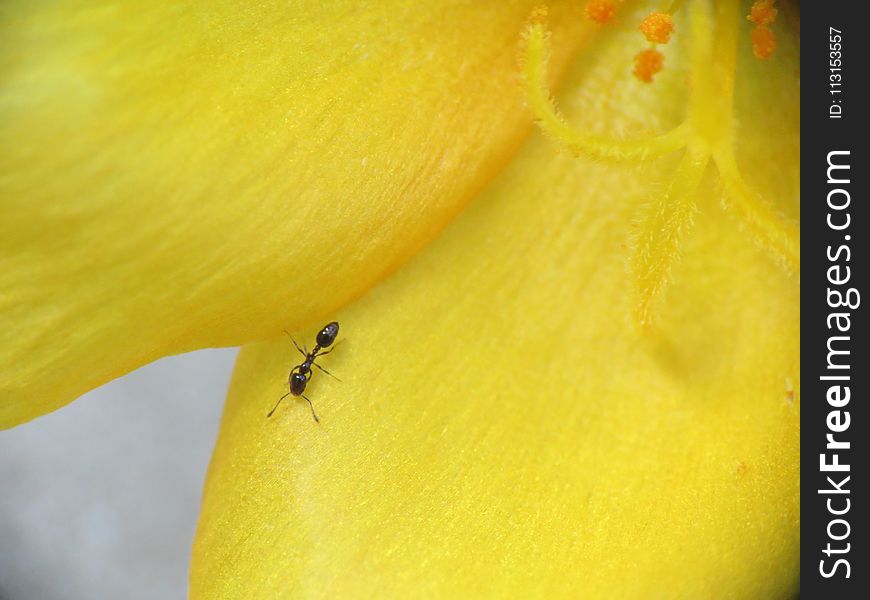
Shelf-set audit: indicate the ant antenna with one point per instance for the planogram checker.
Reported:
(305, 354)
(279, 402)
(313, 414)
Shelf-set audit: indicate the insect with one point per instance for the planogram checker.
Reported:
(301, 373)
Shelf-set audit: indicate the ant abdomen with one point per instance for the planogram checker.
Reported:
(327, 335)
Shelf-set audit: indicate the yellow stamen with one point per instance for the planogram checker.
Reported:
(762, 13)
(711, 76)
(780, 237)
(657, 28)
(647, 63)
(707, 132)
(539, 15)
(601, 11)
(552, 122)
(763, 42)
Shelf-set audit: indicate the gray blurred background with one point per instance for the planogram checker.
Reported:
(99, 500)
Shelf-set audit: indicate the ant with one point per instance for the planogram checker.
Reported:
(300, 374)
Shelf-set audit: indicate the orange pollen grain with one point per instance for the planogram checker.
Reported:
(657, 28)
(763, 42)
(762, 12)
(601, 11)
(647, 63)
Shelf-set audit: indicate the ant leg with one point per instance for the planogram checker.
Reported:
(276, 404)
(313, 414)
(295, 344)
(325, 371)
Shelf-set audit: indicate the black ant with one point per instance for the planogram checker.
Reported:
(300, 374)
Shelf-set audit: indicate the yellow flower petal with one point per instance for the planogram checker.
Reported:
(503, 429)
(177, 176)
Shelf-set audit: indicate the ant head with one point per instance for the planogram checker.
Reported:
(327, 335)
(297, 383)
